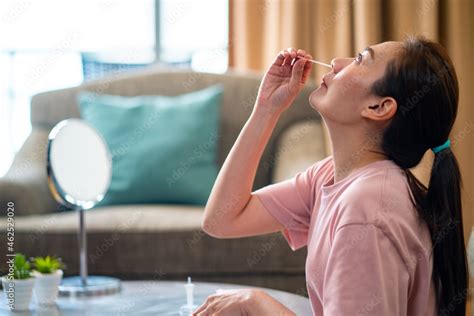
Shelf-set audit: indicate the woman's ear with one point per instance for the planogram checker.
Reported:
(383, 111)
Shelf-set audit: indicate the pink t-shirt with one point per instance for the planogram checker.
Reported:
(368, 254)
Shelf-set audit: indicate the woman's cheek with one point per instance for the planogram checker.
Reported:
(349, 82)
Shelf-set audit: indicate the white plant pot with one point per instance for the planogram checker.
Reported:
(18, 293)
(47, 286)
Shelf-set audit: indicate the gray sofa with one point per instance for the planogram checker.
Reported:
(162, 241)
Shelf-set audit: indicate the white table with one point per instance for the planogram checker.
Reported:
(150, 298)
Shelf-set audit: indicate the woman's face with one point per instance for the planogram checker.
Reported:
(346, 91)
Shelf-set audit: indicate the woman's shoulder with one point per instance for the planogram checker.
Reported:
(382, 198)
(373, 186)
(320, 171)
(323, 165)
(379, 195)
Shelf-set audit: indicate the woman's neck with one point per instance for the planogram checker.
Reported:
(352, 150)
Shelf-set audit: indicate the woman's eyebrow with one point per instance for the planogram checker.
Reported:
(371, 51)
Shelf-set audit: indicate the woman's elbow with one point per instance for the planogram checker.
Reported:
(209, 226)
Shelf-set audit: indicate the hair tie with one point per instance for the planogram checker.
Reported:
(441, 147)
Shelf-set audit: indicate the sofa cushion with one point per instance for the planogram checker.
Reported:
(164, 149)
(134, 218)
(299, 146)
(142, 241)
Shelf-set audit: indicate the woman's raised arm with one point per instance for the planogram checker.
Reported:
(231, 210)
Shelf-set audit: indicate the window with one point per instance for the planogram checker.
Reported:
(44, 45)
(195, 32)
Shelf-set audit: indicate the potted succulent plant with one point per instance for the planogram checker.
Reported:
(18, 283)
(48, 273)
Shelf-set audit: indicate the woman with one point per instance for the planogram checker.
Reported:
(379, 242)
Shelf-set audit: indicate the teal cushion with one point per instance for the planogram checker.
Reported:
(164, 148)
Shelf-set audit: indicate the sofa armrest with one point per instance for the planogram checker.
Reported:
(25, 183)
(298, 147)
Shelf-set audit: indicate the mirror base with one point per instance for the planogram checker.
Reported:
(96, 286)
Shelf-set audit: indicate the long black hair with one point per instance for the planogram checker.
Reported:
(423, 81)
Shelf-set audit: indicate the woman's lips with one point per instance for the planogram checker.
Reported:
(323, 84)
(323, 81)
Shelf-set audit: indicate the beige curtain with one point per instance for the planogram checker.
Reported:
(329, 28)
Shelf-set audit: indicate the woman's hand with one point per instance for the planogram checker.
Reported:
(228, 302)
(283, 81)
(241, 302)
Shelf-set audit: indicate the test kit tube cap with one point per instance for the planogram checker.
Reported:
(189, 307)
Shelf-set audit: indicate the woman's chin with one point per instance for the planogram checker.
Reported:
(318, 104)
(315, 99)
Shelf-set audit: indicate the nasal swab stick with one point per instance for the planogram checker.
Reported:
(319, 63)
(314, 62)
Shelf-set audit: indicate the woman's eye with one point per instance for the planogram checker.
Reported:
(358, 59)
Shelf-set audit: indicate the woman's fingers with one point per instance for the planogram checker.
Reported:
(205, 305)
(209, 310)
(279, 59)
(307, 68)
(288, 58)
(297, 72)
(212, 308)
(301, 53)
(292, 51)
(291, 55)
(200, 309)
(282, 58)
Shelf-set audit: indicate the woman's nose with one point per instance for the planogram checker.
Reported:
(339, 63)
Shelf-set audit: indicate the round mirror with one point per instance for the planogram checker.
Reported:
(79, 170)
(79, 164)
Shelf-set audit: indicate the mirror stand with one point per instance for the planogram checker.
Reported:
(84, 285)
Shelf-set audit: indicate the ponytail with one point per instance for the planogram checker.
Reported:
(440, 207)
(444, 218)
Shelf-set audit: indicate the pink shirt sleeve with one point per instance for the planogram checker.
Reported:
(365, 274)
(290, 202)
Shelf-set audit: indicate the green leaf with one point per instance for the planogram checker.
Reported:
(21, 267)
(47, 264)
